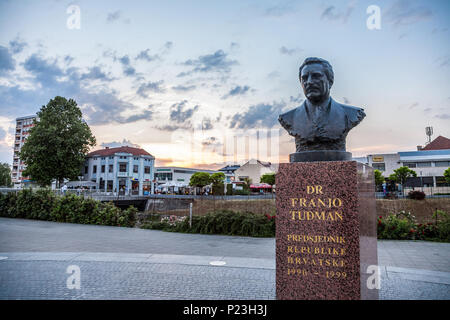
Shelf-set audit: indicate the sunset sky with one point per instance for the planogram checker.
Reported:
(195, 82)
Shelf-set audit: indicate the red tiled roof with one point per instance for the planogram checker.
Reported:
(111, 151)
(438, 144)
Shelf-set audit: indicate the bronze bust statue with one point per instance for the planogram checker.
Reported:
(320, 125)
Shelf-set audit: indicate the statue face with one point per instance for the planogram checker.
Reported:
(314, 81)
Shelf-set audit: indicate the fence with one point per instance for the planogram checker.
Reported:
(430, 192)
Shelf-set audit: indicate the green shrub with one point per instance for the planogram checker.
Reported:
(395, 228)
(402, 226)
(229, 189)
(43, 204)
(227, 223)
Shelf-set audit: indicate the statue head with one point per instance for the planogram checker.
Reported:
(316, 77)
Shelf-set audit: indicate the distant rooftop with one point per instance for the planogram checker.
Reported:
(125, 149)
(439, 143)
(230, 168)
(184, 168)
(26, 117)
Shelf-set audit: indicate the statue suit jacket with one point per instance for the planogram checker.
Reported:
(328, 132)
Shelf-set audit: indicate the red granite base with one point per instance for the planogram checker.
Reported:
(325, 230)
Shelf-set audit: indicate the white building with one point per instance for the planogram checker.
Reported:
(253, 170)
(428, 164)
(176, 177)
(125, 169)
(23, 126)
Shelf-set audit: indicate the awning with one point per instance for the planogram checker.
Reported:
(260, 186)
(81, 184)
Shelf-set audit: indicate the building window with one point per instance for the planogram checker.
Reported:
(111, 168)
(94, 169)
(147, 170)
(135, 168)
(423, 164)
(103, 168)
(111, 157)
(122, 167)
(410, 164)
(86, 169)
(103, 158)
(442, 163)
(379, 166)
(163, 176)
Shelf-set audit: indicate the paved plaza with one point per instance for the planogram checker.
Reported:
(125, 263)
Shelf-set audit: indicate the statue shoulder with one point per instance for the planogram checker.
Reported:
(352, 112)
(287, 119)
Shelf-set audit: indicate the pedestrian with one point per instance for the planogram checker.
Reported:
(64, 189)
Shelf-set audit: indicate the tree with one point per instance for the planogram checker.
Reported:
(5, 175)
(200, 179)
(447, 175)
(268, 178)
(401, 174)
(379, 179)
(58, 143)
(217, 178)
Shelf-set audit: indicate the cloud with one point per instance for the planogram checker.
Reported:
(443, 61)
(17, 45)
(212, 142)
(144, 115)
(236, 91)
(415, 104)
(128, 70)
(444, 116)
(260, 115)
(100, 105)
(207, 124)
(7, 62)
(95, 73)
(274, 74)
(150, 87)
(181, 88)
(168, 45)
(2, 134)
(179, 115)
(234, 46)
(45, 71)
(279, 9)
(217, 62)
(331, 13)
(299, 99)
(144, 55)
(289, 52)
(402, 13)
(113, 16)
(116, 144)
(68, 59)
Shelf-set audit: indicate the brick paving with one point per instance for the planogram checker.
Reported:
(34, 256)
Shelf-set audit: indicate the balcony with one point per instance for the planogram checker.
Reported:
(122, 174)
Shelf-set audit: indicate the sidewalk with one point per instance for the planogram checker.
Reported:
(123, 263)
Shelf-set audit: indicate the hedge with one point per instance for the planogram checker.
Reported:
(43, 204)
(225, 222)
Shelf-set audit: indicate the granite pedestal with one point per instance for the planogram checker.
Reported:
(325, 231)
